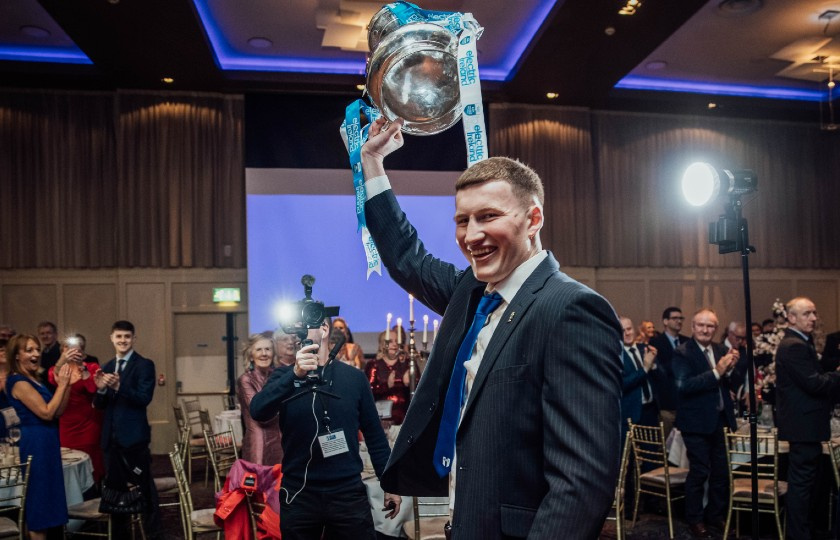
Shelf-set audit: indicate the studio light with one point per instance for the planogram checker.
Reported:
(702, 183)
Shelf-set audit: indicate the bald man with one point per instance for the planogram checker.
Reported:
(804, 397)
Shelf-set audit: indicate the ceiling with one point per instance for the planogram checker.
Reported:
(750, 57)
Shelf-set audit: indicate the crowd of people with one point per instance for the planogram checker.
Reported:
(698, 384)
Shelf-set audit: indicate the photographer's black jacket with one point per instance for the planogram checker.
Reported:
(354, 411)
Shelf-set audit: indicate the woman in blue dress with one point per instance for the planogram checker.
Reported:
(38, 410)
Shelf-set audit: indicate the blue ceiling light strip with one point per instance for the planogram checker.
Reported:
(64, 55)
(632, 82)
(229, 59)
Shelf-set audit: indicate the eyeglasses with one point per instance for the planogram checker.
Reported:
(678, 318)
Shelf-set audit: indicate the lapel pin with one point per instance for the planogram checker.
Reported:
(512, 314)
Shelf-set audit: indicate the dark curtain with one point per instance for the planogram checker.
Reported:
(638, 216)
(125, 179)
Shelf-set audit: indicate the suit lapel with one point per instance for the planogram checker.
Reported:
(511, 318)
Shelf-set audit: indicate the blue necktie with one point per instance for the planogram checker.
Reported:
(445, 446)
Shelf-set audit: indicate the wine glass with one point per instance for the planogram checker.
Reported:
(14, 435)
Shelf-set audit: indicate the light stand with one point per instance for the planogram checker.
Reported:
(702, 183)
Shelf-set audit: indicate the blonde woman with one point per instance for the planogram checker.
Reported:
(261, 440)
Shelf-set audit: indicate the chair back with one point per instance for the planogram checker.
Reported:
(834, 449)
(180, 418)
(221, 450)
(739, 458)
(184, 495)
(14, 480)
(618, 501)
(192, 413)
(204, 421)
(648, 444)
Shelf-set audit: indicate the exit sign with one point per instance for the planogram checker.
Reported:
(226, 294)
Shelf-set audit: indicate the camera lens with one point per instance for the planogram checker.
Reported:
(312, 314)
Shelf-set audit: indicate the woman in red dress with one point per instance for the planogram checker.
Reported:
(389, 379)
(81, 424)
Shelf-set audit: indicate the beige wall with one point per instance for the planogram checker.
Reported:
(89, 301)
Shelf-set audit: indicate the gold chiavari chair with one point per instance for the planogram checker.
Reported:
(222, 453)
(194, 522)
(14, 479)
(618, 501)
(770, 488)
(663, 479)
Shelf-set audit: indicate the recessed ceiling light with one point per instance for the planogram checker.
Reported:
(260, 42)
(739, 8)
(610, 30)
(656, 65)
(360, 87)
(35, 31)
(552, 95)
(712, 105)
(168, 80)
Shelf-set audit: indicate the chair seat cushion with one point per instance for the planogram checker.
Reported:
(165, 483)
(8, 528)
(431, 528)
(203, 519)
(743, 488)
(86, 510)
(677, 476)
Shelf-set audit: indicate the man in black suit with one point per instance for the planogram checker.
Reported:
(51, 348)
(804, 396)
(703, 370)
(664, 384)
(125, 387)
(537, 395)
(831, 352)
(736, 338)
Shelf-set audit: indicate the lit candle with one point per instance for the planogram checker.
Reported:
(388, 328)
(399, 331)
(425, 328)
(434, 329)
(410, 308)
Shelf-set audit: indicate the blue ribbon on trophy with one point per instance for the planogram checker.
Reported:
(355, 135)
(401, 37)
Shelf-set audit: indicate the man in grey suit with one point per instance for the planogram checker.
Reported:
(534, 437)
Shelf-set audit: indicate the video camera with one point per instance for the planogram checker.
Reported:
(306, 314)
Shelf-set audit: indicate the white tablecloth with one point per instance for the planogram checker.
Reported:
(227, 419)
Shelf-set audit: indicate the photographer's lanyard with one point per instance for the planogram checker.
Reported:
(332, 442)
(354, 136)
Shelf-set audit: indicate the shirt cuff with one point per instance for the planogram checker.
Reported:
(376, 185)
(717, 375)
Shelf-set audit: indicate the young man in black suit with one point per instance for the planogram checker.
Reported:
(517, 417)
(703, 370)
(664, 385)
(804, 397)
(125, 387)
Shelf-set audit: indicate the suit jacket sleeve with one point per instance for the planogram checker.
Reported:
(804, 373)
(689, 380)
(429, 279)
(580, 404)
(101, 400)
(141, 388)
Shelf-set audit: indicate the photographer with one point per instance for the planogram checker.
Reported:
(322, 491)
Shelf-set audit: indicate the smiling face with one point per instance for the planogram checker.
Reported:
(494, 229)
(262, 353)
(47, 334)
(28, 358)
(627, 332)
(123, 341)
(703, 327)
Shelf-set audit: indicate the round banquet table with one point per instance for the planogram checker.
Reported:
(226, 420)
(78, 478)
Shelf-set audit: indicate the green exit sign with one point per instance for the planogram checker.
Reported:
(226, 294)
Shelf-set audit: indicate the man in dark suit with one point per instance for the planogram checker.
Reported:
(664, 384)
(703, 370)
(804, 396)
(537, 447)
(736, 338)
(51, 348)
(125, 386)
(831, 352)
(637, 403)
